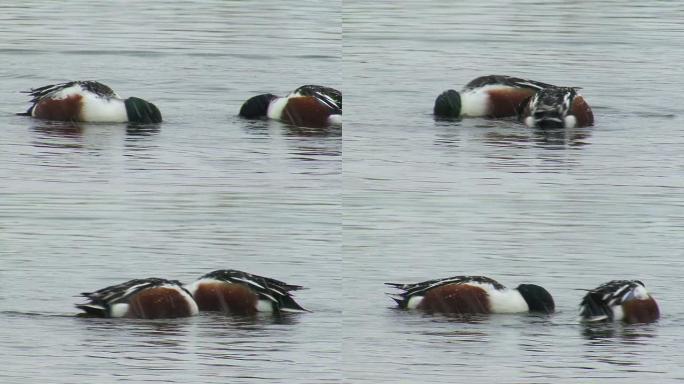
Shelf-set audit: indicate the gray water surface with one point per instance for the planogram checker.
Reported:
(398, 197)
(89, 205)
(568, 209)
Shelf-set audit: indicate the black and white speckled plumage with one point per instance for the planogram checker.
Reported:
(120, 292)
(598, 303)
(329, 96)
(49, 91)
(550, 106)
(504, 80)
(94, 87)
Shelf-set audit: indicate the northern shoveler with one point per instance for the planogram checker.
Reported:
(472, 294)
(556, 107)
(89, 101)
(487, 96)
(308, 106)
(150, 298)
(626, 300)
(241, 293)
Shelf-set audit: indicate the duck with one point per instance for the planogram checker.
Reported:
(150, 298)
(313, 106)
(487, 96)
(472, 295)
(88, 101)
(240, 293)
(619, 300)
(556, 107)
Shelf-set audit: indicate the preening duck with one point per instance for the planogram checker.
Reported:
(619, 300)
(556, 107)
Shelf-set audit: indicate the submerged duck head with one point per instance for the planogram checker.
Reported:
(141, 111)
(448, 104)
(257, 106)
(538, 299)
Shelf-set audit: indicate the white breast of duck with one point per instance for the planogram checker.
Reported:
(102, 109)
(475, 102)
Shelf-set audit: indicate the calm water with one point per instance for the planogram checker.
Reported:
(85, 207)
(567, 210)
(82, 207)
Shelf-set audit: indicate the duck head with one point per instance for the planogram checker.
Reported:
(257, 106)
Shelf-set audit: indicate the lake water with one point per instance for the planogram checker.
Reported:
(397, 197)
(567, 210)
(98, 204)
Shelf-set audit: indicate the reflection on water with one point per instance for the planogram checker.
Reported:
(166, 332)
(220, 323)
(161, 333)
(618, 344)
(420, 317)
(331, 131)
(510, 134)
(70, 129)
(68, 134)
(617, 332)
(562, 138)
(305, 143)
(552, 139)
(134, 130)
(67, 129)
(266, 127)
(514, 148)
